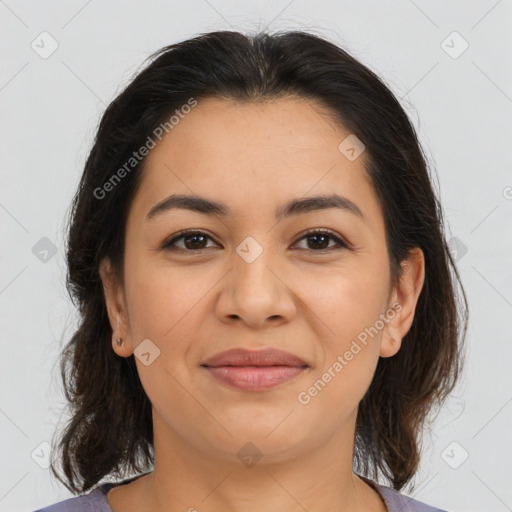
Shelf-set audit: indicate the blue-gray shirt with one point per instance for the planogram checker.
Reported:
(96, 500)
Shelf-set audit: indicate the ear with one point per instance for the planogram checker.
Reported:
(403, 300)
(116, 308)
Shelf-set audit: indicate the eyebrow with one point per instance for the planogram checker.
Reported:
(294, 207)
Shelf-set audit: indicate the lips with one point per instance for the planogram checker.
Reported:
(243, 357)
(254, 370)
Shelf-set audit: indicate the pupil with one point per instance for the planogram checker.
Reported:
(193, 243)
(325, 237)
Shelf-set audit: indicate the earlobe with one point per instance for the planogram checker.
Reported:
(405, 297)
(389, 347)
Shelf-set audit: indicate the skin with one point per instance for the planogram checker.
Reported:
(255, 157)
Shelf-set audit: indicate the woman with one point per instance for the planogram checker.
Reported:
(269, 311)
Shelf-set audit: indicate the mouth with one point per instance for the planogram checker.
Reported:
(254, 370)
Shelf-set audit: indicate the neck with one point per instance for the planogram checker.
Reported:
(187, 478)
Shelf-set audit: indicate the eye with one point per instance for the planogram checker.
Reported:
(197, 240)
(193, 241)
(320, 238)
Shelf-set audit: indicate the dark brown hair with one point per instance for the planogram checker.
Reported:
(110, 426)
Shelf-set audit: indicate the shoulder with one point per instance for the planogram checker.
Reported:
(396, 502)
(94, 501)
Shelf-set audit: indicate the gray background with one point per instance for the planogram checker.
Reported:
(460, 103)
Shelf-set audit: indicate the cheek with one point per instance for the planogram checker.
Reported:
(163, 308)
(346, 300)
(162, 300)
(347, 309)
(347, 305)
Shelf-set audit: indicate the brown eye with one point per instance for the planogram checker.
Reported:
(318, 240)
(192, 241)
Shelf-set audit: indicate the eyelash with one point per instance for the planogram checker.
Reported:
(168, 245)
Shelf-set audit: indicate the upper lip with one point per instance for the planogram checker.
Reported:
(244, 357)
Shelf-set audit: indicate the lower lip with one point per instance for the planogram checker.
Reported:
(254, 378)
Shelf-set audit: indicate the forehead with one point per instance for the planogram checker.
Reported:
(254, 156)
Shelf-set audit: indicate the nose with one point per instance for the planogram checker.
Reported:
(256, 292)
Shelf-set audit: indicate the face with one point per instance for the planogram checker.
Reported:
(314, 281)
